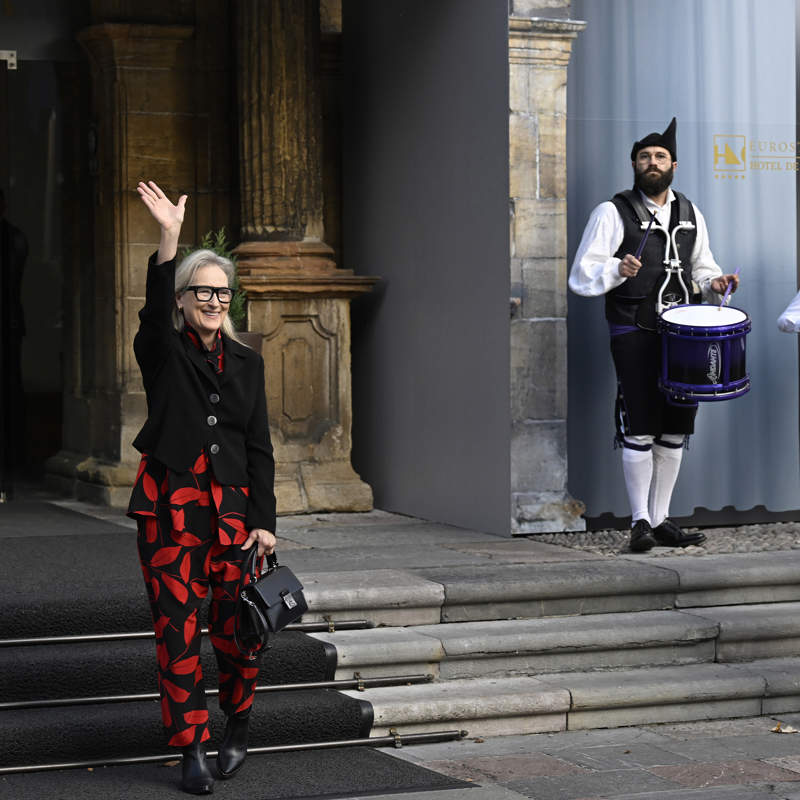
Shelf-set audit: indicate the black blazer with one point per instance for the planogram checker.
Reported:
(190, 408)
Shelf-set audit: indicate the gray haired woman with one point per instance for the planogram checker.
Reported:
(205, 489)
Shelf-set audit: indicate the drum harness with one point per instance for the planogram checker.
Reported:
(672, 266)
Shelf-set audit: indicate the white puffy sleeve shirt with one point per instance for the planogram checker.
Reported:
(595, 270)
(789, 321)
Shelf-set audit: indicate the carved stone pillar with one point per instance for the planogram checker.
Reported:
(539, 51)
(297, 298)
(141, 106)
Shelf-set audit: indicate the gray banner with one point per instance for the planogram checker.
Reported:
(727, 72)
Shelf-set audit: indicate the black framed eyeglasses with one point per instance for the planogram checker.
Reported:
(204, 293)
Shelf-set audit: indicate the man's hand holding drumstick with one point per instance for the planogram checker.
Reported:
(629, 266)
(724, 282)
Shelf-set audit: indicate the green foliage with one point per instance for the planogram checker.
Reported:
(217, 242)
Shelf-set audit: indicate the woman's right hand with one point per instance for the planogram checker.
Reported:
(168, 215)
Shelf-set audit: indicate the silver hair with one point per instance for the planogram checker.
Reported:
(184, 276)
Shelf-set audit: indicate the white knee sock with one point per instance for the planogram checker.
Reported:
(637, 467)
(666, 465)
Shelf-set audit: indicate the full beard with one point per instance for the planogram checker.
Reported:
(653, 182)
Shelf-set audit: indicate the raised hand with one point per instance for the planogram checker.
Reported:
(168, 215)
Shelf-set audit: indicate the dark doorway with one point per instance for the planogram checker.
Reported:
(44, 117)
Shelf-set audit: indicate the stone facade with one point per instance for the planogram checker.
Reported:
(539, 50)
(141, 102)
(178, 99)
(163, 107)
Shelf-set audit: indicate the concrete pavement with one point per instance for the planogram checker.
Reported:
(737, 759)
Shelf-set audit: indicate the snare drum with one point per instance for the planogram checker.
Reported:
(703, 353)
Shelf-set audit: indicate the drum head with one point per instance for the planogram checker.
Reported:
(704, 316)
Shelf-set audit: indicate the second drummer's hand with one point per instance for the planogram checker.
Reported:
(629, 266)
(720, 285)
(167, 214)
(265, 540)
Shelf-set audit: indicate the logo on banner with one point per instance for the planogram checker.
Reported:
(734, 155)
(730, 153)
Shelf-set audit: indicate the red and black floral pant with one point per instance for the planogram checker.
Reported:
(190, 534)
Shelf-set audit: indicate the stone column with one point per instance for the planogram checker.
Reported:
(297, 298)
(539, 51)
(142, 95)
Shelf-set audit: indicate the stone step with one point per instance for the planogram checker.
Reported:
(493, 591)
(735, 579)
(581, 700)
(526, 646)
(746, 633)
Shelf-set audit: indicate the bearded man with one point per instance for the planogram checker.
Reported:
(651, 431)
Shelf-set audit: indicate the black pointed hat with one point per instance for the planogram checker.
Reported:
(665, 140)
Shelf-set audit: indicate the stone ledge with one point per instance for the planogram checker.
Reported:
(658, 686)
(770, 630)
(525, 647)
(734, 579)
(385, 597)
(493, 583)
(752, 622)
(469, 703)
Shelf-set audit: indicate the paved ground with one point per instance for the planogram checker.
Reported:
(740, 759)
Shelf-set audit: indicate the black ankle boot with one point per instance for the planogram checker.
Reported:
(197, 777)
(233, 750)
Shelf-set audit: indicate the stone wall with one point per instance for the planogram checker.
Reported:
(539, 50)
(160, 110)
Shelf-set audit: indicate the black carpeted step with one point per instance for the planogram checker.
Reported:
(91, 669)
(354, 771)
(91, 583)
(85, 733)
(70, 585)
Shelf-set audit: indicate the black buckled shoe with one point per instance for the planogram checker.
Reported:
(197, 777)
(233, 750)
(668, 534)
(642, 536)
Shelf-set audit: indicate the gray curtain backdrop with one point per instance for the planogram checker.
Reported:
(726, 70)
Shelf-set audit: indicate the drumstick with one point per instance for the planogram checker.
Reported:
(728, 290)
(644, 238)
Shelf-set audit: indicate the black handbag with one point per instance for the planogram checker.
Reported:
(266, 605)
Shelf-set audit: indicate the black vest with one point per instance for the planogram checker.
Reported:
(623, 302)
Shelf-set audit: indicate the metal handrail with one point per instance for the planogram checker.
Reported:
(394, 739)
(328, 626)
(356, 682)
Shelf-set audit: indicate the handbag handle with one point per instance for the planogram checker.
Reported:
(249, 568)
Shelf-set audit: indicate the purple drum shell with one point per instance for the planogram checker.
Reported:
(703, 362)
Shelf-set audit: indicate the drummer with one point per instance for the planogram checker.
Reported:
(651, 432)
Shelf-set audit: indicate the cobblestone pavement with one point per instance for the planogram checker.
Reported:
(738, 539)
(734, 759)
